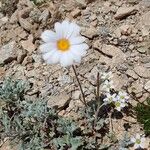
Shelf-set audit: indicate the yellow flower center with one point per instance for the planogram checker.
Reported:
(63, 45)
(138, 141)
(122, 97)
(117, 104)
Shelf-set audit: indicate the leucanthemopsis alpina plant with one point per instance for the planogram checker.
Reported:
(119, 99)
(139, 141)
(65, 46)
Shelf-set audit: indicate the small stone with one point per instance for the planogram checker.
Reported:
(145, 19)
(142, 50)
(45, 15)
(131, 47)
(2, 72)
(142, 71)
(21, 55)
(14, 17)
(25, 24)
(124, 12)
(35, 15)
(119, 81)
(146, 3)
(97, 45)
(3, 21)
(27, 60)
(8, 52)
(145, 31)
(59, 101)
(81, 3)
(136, 88)
(76, 95)
(23, 35)
(147, 86)
(111, 51)
(93, 17)
(75, 13)
(147, 65)
(132, 74)
(90, 32)
(126, 29)
(122, 67)
(28, 44)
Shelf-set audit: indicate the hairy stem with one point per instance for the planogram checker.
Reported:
(76, 75)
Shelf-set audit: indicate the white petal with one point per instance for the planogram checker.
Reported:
(59, 30)
(142, 145)
(77, 40)
(143, 139)
(118, 108)
(122, 105)
(74, 30)
(48, 55)
(75, 57)
(133, 140)
(138, 136)
(79, 49)
(55, 57)
(65, 26)
(66, 60)
(49, 36)
(47, 47)
(136, 146)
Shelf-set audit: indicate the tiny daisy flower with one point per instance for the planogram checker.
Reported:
(110, 98)
(107, 86)
(119, 104)
(65, 46)
(122, 96)
(139, 141)
(107, 75)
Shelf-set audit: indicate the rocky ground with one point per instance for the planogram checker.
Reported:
(118, 32)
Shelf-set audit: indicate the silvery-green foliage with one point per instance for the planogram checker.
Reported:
(89, 116)
(12, 91)
(33, 125)
(67, 128)
(124, 142)
(67, 141)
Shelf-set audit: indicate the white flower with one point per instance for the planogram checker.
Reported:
(107, 75)
(110, 98)
(119, 104)
(65, 45)
(139, 141)
(122, 96)
(107, 86)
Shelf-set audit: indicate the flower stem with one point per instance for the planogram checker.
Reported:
(76, 75)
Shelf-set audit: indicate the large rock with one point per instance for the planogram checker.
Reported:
(90, 32)
(8, 52)
(112, 56)
(147, 86)
(124, 12)
(145, 19)
(132, 74)
(111, 51)
(59, 101)
(28, 44)
(136, 88)
(142, 71)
